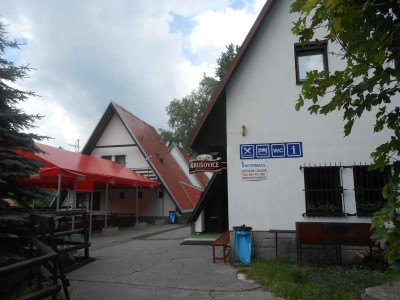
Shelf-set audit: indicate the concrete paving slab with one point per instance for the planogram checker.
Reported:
(153, 266)
(382, 292)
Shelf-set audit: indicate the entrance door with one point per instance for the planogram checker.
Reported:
(216, 209)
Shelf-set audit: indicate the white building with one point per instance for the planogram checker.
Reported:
(285, 166)
(124, 138)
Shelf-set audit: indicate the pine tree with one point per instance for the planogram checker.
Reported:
(14, 123)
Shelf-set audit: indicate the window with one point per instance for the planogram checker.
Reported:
(323, 190)
(80, 200)
(96, 201)
(368, 187)
(107, 157)
(121, 159)
(309, 58)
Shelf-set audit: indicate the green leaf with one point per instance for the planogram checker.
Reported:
(300, 103)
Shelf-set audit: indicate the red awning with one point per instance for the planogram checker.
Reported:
(86, 171)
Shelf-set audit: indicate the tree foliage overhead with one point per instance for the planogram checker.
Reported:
(369, 35)
(224, 61)
(13, 124)
(185, 113)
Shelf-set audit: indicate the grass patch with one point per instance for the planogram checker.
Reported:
(205, 236)
(286, 279)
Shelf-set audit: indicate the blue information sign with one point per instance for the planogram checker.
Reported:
(271, 150)
(247, 151)
(262, 150)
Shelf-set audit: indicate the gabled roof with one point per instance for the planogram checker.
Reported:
(192, 192)
(156, 153)
(83, 168)
(214, 112)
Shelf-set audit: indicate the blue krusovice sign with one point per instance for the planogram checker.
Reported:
(271, 150)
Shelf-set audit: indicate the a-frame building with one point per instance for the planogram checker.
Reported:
(122, 137)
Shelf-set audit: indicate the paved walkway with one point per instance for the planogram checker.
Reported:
(151, 264)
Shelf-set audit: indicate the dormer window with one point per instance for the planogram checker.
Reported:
(310, 57)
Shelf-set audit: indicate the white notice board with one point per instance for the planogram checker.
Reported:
(253, 170)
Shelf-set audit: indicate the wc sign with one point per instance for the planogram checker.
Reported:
(271, 150)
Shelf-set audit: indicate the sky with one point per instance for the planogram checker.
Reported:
(141, 54)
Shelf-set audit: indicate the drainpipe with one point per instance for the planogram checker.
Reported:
(158, 202)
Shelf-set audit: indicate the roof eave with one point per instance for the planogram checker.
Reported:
(98, 130)
(232, 68)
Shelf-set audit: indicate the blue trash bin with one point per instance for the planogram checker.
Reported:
(243, 243)
(172, 215)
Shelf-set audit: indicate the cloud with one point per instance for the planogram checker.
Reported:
(86, 53)
(216, 29)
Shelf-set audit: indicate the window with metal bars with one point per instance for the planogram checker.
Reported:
(368, 187)
(323, 190)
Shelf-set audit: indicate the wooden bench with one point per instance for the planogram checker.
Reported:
(222, 241)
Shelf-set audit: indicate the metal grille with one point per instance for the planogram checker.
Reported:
(323, 189)
(368, 187)
(148, 172)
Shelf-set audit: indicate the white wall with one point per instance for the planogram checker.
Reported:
(116, 134)
(149, 204)
(199, 225)
(262, 96)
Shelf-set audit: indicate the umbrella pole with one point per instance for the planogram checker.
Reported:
(105, 221)
(73, 206)
(59, 193)
(137, 205)
(90, 214)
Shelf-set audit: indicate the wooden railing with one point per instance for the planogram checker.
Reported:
(44, 233)
(56, 237)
